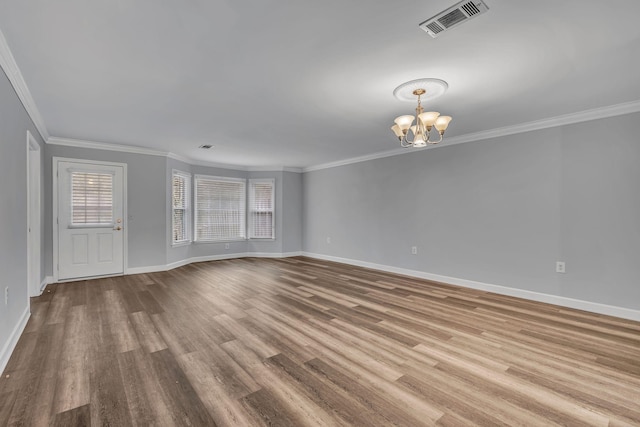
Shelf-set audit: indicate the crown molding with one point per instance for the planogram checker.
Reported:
(273, 169)
(563, 120)
(69, 142)
(196, 162)
(180, 158)
(378, 155)
(10, 67)
(79, 143)
(567, 119)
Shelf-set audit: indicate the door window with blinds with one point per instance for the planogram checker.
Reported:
(91, 199)
(261, 203)
(220, 213)
(180, 207)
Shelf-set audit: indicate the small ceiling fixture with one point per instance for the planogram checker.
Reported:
(206, 146)
(424, 89)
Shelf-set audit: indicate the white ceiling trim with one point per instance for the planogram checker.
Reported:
(78, 143)
(270, 169)
(195, 162)
(379, 155)
(69, 142)
(567, 119)
(10, 67)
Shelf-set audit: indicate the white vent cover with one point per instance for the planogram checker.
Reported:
(454, 16)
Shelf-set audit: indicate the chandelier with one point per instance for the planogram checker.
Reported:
(422, 131)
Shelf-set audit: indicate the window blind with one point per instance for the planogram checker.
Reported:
(181, 202)
(220, 209)
(91, 198)
(261, 203)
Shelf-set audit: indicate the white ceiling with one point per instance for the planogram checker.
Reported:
(297, 83)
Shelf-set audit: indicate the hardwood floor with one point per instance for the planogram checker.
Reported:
(297, 342)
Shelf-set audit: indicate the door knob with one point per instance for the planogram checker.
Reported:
(118, 228)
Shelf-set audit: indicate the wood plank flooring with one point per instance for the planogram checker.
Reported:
(302, 342)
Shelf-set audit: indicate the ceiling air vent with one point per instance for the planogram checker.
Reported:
(453, 16)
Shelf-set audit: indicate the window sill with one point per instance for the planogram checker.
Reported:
(179, 244)
(209, 242)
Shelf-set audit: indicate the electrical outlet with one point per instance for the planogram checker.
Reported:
(6, 296)
(560, 267)
(329, 240)
(226, 246)
(414, 250)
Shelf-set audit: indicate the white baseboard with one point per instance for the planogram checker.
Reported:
(271, 255)
(147, 269)
(183, 262)
(205, 258)
(43, 284)
(594, 307)
(10, 345)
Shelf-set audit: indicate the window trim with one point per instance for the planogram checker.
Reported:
(242, 181)
(251, 196)
(187, 210)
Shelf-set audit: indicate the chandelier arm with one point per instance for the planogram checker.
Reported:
(427, 135)
(407, 141)
(404, 143)
(406, 136)
(439, 140)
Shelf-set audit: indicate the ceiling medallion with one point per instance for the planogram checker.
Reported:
(423, 89)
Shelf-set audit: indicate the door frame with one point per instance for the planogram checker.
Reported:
(125, 239)
(35, 284)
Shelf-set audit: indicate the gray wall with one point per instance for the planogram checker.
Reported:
(499, 211)
(14, 123)
(600, 210)
(291, 212)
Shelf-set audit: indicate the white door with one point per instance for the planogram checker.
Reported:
(90, 219)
